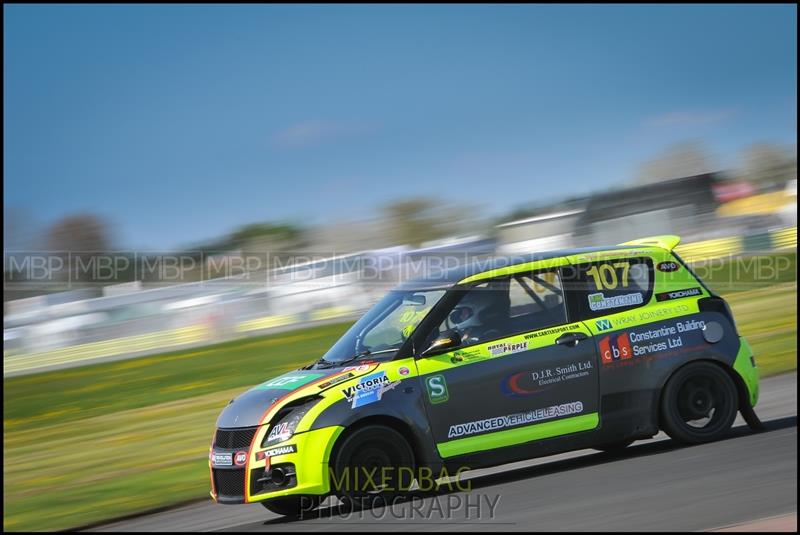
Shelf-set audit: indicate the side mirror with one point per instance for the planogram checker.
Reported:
(448, 340)
(415, 299)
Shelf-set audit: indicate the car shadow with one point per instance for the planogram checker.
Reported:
(563, 465)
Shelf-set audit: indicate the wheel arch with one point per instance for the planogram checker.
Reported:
(391, 422)
(741, 389)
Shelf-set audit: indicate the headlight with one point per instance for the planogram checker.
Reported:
(285, 422)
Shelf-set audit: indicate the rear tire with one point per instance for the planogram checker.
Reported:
(292, 506)
(370, 450)
(698, 404)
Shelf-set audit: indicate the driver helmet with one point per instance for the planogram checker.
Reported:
(473, 309)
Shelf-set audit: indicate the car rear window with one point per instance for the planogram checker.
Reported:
(608, 286)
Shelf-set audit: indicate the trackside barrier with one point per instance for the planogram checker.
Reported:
(107, 348)
(778, 240)
(702, 251)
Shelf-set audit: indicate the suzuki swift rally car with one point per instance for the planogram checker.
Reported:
(489, 364)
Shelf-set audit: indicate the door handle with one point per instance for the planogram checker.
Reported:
(571, 339)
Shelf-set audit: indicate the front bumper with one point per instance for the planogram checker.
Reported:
(306, 469)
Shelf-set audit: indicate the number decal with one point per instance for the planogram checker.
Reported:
(626, 266)
(605, 275)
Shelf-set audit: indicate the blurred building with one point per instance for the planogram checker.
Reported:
(715, 219)
(545, 232)
(667, 207)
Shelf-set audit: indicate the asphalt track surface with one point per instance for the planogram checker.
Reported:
(652, 485)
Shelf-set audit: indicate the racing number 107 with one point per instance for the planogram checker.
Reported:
(605, 275)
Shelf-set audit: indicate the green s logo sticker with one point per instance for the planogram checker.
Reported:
(437, 389)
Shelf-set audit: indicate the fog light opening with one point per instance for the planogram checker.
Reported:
(279, 477)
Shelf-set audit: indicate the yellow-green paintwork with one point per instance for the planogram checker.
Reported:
(510, 437)
(479, 353)
(334, 394)
(667, 241)
(517, 268)
(645, 314)
(315, 446)
(749, 373)
(310, 461)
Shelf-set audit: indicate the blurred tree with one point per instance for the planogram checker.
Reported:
(80, 240)
(267, 237)
(78, 233)
(767, 164)
(21, 229)
(415, 221)
(269, 232)
(680, 160)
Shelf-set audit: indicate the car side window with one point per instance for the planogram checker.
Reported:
(507, 305)
(537, 301)
(608, 286)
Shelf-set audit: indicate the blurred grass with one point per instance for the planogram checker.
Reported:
(65, 395)
(69, 474)
(748, 272)
(768, 319)
(101, 441)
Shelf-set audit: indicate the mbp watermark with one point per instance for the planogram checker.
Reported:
(304, 270)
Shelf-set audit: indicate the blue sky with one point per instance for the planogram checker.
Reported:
(179, 123)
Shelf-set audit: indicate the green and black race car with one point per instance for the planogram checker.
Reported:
(489, 364)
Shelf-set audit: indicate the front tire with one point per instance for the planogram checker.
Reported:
(698, 404)
(292, 506)
(378, 451)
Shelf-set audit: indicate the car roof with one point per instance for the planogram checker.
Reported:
(442, 278)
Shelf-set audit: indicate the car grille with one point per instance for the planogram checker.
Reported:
(234, 438)
(229, 483)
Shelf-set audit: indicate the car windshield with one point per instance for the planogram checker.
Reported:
(384, 328)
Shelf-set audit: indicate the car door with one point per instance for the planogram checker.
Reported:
(522, 373)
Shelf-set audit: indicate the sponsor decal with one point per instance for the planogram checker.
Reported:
(615, 347)
(553, 330)
(437, 389)
(280, 432)
(240, 458)
(640, 343)
(358, 368)
(222, 458)
(598, 301)
(645, 316)
(403, 370)
(513, 420)
(678, 294)
(507, 348)
(369, 389)
(519, 385)
(336, 380)
(466, 355)
(668, 267)
(602, 325)
(280, 450)
(407, 330)
(289, 381)
(529, 383)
